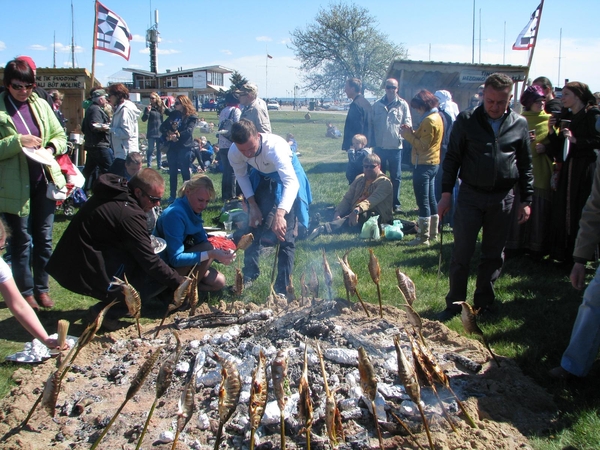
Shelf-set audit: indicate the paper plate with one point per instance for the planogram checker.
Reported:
(218, 233)
(38, 155)
(159, 244)
(207, 229)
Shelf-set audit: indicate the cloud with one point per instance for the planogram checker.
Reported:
(61, 48)
(37, 47)
(138, 38)
(2, 46)
(227, 52)
(160, 51)
(263, 39)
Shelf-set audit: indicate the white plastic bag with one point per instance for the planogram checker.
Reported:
(370, 229)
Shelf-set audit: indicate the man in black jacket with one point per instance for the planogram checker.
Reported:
(109, 238)
(489, 152)
(360, 115)
(96, 130)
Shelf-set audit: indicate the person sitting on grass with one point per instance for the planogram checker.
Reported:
(370, 194)
(14, 300)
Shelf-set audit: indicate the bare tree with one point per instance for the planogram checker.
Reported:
(342, 43)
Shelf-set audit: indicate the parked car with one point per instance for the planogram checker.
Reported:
(273, 104)
(210, 105)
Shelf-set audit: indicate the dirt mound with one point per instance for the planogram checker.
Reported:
(505, 405)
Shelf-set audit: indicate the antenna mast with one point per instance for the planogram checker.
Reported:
(152, 41)
(72, 37)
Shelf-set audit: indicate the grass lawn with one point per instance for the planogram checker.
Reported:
(536, 304)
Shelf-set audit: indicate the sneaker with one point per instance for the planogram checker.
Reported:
(248, 282)
(316, 232)
(558, 373)
(448, 314)
(398, 209)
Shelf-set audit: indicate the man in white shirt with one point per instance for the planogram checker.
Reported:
(278, 194)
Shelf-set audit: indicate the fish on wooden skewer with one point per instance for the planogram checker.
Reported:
(279, 378)
(368, 382)
(313, 283)
(375, 271)
(179, 297)
(86, 337)
(289, 289)
(185, 408)
(305, 404)
(163, 381)
(406, 286)
(303, 287)
(333, 417)
(430, 363)
(239, 282)
(425, 373)
(194, 294)
(409, 379)
(229, 393)
(132, 300)
(469, 320)
(328, 276)
(244, 242)
(259, 390)
(350, 281)
(414, 319)
(135, 386)
(62, 331)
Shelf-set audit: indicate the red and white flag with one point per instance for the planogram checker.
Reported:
(526, 38)
(112, 33)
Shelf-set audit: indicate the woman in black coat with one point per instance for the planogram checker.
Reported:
(153, 114)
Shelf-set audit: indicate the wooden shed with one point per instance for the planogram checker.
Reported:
(460, 79)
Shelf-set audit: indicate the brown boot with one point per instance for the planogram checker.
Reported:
(31, 302)
(44, 300)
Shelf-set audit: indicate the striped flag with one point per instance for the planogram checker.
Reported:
(526, 38)
(112, 33)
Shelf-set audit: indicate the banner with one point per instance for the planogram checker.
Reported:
(112, 33)
(526, 38)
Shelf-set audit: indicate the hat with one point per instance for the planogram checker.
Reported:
(98, 93)
(28, 60)
(531, 95)
(248, 88)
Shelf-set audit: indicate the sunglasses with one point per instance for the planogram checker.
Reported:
(21, 87)
(369, 166)
(152, 198)
(391, 87)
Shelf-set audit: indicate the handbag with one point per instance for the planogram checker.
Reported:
(53, 193)
(225, 126)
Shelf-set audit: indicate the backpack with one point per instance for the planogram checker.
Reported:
(225, 126)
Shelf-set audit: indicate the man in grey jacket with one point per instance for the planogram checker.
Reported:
(389, 114)
(254, 108)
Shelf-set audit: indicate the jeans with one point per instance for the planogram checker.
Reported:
(424, 186)
(585, 337)
(228, 181)
(99, 157)
(393, 159)
(179, 160)
(153, 143)
(476, 210)
(287, 249)
(31, 252)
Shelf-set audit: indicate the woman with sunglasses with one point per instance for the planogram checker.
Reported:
(153, 114)
(178, 130)
(426, 144)
(182, 227)
(26, 121)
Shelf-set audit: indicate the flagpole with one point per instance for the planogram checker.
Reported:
(537, 29)
(94, 44)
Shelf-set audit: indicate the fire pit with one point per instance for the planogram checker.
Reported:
(504, 404)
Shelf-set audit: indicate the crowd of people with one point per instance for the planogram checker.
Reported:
(523, 179)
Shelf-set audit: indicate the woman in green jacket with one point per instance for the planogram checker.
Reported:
(26, 121)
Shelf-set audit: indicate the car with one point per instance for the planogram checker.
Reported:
(273, 104)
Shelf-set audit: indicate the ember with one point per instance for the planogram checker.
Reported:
(503, 403)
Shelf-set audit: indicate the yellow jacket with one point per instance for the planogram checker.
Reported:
(426, 141)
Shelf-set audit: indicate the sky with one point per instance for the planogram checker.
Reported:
(239, 34)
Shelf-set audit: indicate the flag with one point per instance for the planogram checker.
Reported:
(526, 38)
(112, 33)
(269, 56)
